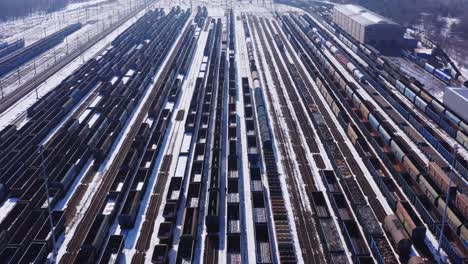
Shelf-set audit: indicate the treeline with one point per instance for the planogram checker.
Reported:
(461, 28)
(408, 11)
(10, 9)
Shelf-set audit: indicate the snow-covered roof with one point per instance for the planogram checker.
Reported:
(456, 99)
(362, 15)
(461, 91)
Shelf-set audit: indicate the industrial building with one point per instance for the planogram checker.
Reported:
(456, 98)
(368, 27)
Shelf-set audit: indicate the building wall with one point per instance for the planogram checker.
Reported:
(380, 34)
(456, 102)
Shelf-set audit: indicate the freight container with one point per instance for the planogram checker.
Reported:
(233, 250)
(160, 254)
(441, 178)
(338, 200)
(368, 221)
(189, 229)
(170, 212)
(321, 208)
(95, 237)
(354, 192)
(45, 233)
(354, 239)
(28, 229)
(113, 250)
(398, 235)
(36, 253)
(10, 254)
(338, 258)
(330, 234)
(130, 209)
(410, 221)
(330, 181)
(165, 233)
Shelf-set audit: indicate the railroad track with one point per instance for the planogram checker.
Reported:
(143, 242)
(212, 177)
(109, 175)
(211, 249)
(14, 96)
(350, 159)
(304, 221)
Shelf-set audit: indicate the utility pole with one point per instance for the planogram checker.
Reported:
(35, 85)
(447, 199)
(19, 76)
(44, 175)
(1, 87)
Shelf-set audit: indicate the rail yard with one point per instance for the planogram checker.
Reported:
(231, 133)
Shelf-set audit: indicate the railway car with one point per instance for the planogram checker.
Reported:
(441, 178)
(412, 190)
(130, 209)
(279, 42)
(113, 250)
(355, 241)
(16, 59)
(165, 233)
(160, 254)
(410, 221)
(10, 48)
(398, 235)
(95, 237)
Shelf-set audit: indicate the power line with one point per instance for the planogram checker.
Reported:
(46, 186)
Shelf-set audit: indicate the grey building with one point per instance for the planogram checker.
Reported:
(368, 27)
(456, 99)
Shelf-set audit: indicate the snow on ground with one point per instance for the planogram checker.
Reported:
(203, 201)
(6, 207)
(36, 26)
(449, 21)
(422, 74)
(93, 187)
(296, 177)
(97, 179)
(248, 240)
(318, 180)
(429, 235)
(172, 146)
(95, 19)
(22, 105)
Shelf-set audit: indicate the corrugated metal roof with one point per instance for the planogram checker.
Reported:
(362, 15)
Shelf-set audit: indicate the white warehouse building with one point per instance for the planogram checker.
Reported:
(368, 27)
(456, 99)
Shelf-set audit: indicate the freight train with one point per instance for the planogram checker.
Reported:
(131, 179)
(376, 123)
(19, 57)
(436, 141)
(287, 253)
(84, 134)
(449, 121)
(416, 94)
(12, 47)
